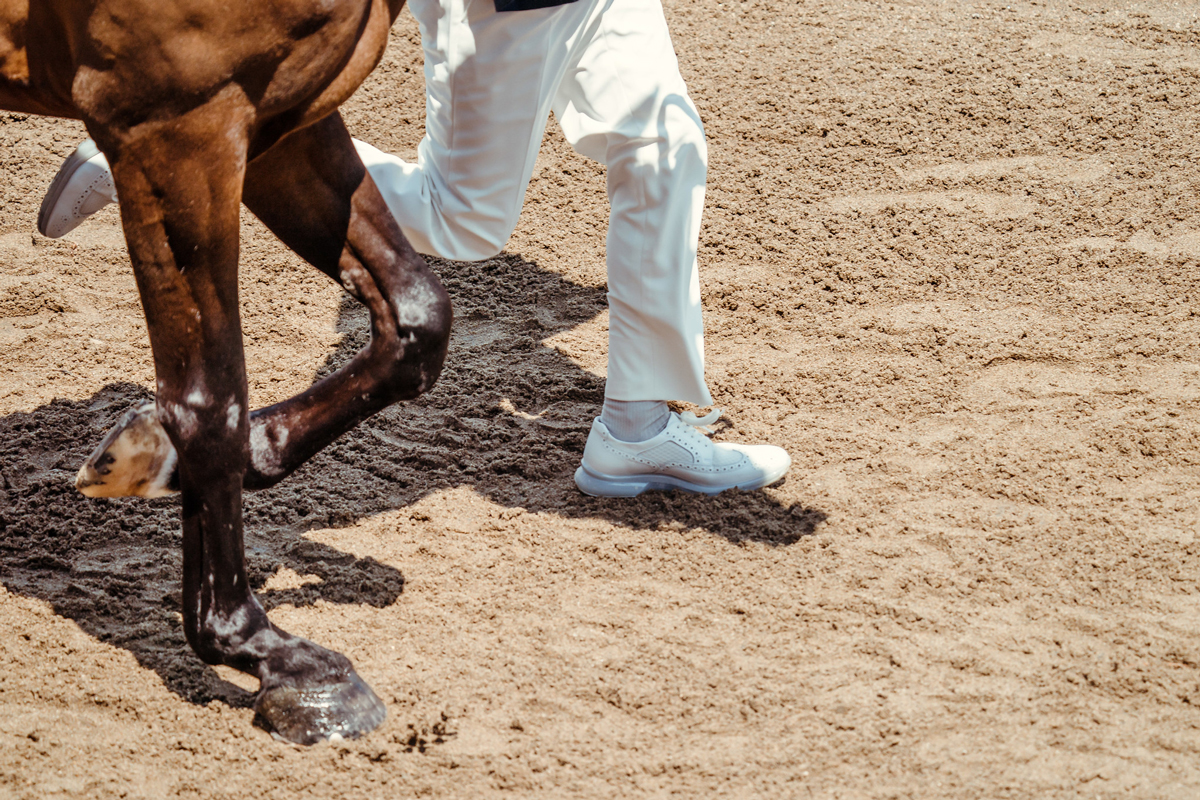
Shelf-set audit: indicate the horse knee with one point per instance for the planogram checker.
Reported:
(422, 335)
(430, 337)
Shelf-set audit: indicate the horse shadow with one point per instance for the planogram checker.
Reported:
(508, 419)
(113, 566)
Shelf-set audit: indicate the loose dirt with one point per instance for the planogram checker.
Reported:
(950, 262)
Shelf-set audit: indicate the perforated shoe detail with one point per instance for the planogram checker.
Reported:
(668, 454)
(679, 457)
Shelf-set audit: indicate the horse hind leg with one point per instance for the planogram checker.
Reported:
(180, 182)
(312, 191)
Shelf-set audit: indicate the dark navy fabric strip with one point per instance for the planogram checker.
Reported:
(526, 5)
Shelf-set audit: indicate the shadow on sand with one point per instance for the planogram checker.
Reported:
(113, 566)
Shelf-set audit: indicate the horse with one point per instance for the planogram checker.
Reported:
(200, 105)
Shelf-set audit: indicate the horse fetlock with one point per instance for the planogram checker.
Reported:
(242, 638)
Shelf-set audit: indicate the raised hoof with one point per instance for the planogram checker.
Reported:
(310, 715)
(135, 459)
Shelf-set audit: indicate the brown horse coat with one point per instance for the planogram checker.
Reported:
(200, 105)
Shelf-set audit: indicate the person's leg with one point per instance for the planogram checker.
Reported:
(634, 420)
(490, 80)
(624, 103)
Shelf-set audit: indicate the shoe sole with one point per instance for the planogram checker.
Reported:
(85, 151)
(631, 486)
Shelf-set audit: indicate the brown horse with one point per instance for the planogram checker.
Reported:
(200, 105)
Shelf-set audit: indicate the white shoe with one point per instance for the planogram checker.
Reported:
(83, 186)
(680, 457)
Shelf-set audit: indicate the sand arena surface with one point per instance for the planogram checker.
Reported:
(950, 261)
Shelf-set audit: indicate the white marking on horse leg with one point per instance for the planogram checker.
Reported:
(232, 415)
(198, 397)
(184, 418)
(160, 483)
(347, 283)
(229, 631)
(412, 309)
(264, 453)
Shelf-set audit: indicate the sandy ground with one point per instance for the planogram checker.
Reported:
(950, 262)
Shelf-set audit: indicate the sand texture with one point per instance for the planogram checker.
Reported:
(950, 261)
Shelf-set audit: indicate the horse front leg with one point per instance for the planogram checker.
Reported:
(312, 191)
(180, 183)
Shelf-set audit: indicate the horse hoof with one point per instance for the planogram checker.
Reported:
(309, 715)
(135, 459)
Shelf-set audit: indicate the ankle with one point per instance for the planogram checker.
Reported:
(634, 420)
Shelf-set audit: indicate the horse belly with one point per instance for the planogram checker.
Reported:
(19, 89)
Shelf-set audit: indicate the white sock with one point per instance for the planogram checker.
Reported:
(635, 420)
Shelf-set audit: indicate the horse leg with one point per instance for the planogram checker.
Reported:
(180, 182)
(313, 192)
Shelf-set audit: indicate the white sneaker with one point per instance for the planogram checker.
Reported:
(83, 186)
(680, 457)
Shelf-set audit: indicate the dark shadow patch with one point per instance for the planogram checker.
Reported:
(462, 434)
(113, 566)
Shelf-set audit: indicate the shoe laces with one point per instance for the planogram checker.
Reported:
(702, 423)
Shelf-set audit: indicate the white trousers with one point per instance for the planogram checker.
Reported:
(608, 71)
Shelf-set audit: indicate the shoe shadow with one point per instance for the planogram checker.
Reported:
(509, 418)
